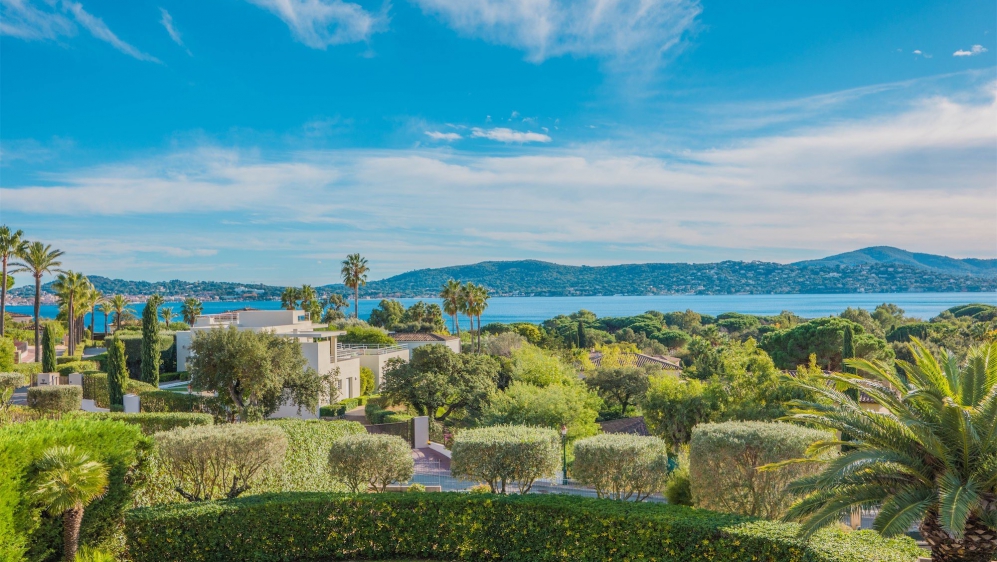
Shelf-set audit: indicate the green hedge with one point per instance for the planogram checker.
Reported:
(395, 417)
(63, 359)
(153, 422)
(174, 376)
(166, 401)
(95, 388)
(340, 408)
(77, 367)
(12, 380)
(67, 398)
(450, 526)
(133, 350)
(37, 535)
(28, 368)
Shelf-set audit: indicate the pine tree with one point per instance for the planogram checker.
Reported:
(48, 350)
(582, 341)
(150, 341)
(117, 371)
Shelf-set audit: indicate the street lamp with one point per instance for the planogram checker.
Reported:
(564, 454)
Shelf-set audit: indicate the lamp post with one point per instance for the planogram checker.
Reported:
(564, 454)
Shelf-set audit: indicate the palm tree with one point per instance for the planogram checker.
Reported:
(120, 306)
(481, 303)
(289, 298)
(191, 309)
(71, 286)
(469, 303)
(929, 455)
(451, 301)
(94, 297)
(12, 245)
(105, 308)
(167, 315)
(68, 480)
(38, 259)
(309, 302)
(354, 273)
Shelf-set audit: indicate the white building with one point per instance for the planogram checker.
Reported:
(412, 340)
(319, 347)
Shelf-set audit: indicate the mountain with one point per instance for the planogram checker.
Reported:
(871, 270)
(895, 256)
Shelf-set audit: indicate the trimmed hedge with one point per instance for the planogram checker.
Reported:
(28, 369)
(451, 526)
(55, 398)
(154, 422)
(166, 401)
(506, 454)
(621, 466)
(77, 367)
(133, 350)
(38, 535)
(95, 388)
(175, 376)
(12, 380)
(395, 417)
(340, 408)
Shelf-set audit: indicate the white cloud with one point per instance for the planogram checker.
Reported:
(503, 134)
(320, 23)
(625, 30)
(37, 20)
(167, 21)
(930, 165)
(437, 135)
(973, 51)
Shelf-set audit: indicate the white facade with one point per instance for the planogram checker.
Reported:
(319, 347)
(412, 341)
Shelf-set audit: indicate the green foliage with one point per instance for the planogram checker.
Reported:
(28, 369)
(673, 406)
(24, 528)
(117, 371)
(150, 342)
(134, 351)
(533, 365)
(96, 387)
(368, 460)
(534, 527)
(366, 335)
(154, 422)
(48, 349)
(929, 457)
(305, 466)
(77, 367)
(572, 405)
(823, 337)
(166, 401)
(438, 382)
(386, 314)
(209, 462)
(506, 454)
(621, 466)
(12, 381)
(620, 385)
(395, 417)
(724, 459)
(55, 398)
(678, 488)
(7, 352)
(340, 408)
(174, 376)
(904, 334)
(366, 381)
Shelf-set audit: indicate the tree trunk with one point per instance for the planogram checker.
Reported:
(71, 520)
(3, 300)
(70, 317)
(38, 333)
(356, 302)
(979, 544)
(93, 314)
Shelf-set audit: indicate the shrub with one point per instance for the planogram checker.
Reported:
(28, 369)
(416, 487)
(63, 359)
(340, 408)
(55, 398)
(77, 367)
(174, 376)
(154, 422)
(95, 387)
(7, 352)
(12, 380)
(506, 454)
(395, 417)
(621, 466)
(374, 413)
(366, 381)
(723, 462)
(48, 348)
(37, 534)
(678, 489)
(207, 462)
(370, 460)
(117, 371)
(305, 466)
(480, 489)
(366, 335)
(536, 528)
(166, 401)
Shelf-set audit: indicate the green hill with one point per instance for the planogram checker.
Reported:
(895, 256)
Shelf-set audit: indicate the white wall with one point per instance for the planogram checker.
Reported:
(183, 349)
(376, 363)
(454, 345)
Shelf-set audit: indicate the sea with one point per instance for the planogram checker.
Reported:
(538, 309)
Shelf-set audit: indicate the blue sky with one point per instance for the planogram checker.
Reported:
(262, 140)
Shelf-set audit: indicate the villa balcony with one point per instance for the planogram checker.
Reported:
(357, 350)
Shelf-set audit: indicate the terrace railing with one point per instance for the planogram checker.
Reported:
(370, 349)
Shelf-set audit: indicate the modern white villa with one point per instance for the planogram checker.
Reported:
(319, 346)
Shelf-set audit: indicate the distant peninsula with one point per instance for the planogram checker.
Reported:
(880, 269)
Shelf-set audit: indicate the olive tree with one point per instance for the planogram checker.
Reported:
(438, 382)
(623, 385)
(365, 461)
(622, 466)
(506, 454)
(219, 461)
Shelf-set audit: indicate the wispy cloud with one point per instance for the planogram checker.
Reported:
(616, 29)
(973, 51)
(503, 134)
(321, 23)
(33, 20)
(437, 135)
(167, 21)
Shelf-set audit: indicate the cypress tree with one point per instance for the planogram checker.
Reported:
(150, 341)
(582, 341)
(847, 348)
(48, 350)
(117, 371)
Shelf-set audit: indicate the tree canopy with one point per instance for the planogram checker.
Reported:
(438, 382)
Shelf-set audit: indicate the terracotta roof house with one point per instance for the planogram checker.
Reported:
(634, 426)
(412, 340)
(640, 360)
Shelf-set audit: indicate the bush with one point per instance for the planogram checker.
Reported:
(366, 381)
(209, 462)
(7, 352)
(155, 422)
(63, 359)
(55, 398)
(621, 466)
(77, 367)
(395, 417)
(370, 460)
(133, 350)
(366, 335)
(12, 380)
(166, 401)
(306, 463)
(678, 489)
(723, 462)
(174, 376)
(416, 487)
(506, 454)
(95, 388)
(117, 371)
(37, 534)
(375, 413)
(28, 369)
(536, 528)
(340, 408)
